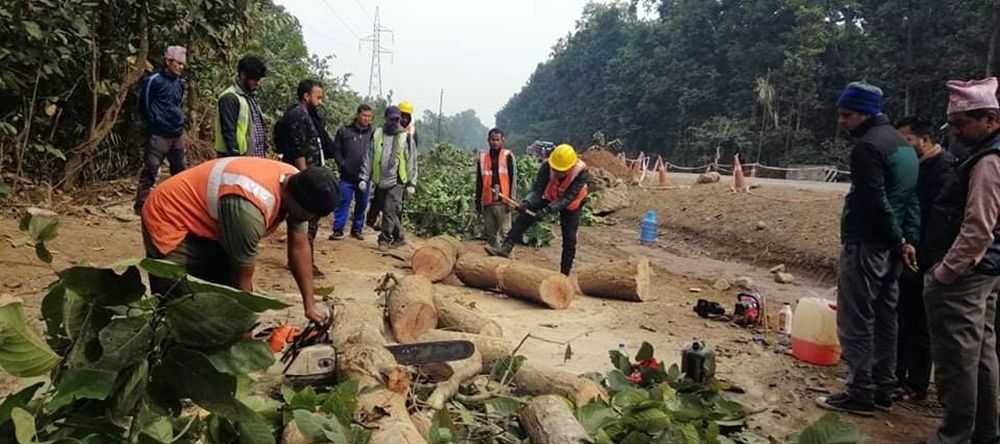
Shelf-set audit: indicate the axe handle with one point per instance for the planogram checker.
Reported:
(515, 204)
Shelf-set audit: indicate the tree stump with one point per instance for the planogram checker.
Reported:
(549, 420)
(452, 315)
(411, 308)
(436, 258)
(481, 272)
(624, 280)
(538, 285)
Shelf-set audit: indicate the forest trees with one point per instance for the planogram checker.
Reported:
(665, 80)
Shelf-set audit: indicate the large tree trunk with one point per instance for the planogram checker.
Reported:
(538, 285)
(549, 420)
(463, 371)
(481, 271)
(492, 349)
(626, 280)
(452, 315)
(436, 258)
(411, 308)
(357, 335)
(535, 380)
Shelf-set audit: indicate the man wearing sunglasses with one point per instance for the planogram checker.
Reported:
(160, 100)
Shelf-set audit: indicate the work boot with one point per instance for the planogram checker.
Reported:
(502, 251)
(844, 403)
(883, 402)
(357, 235)
(337, 235)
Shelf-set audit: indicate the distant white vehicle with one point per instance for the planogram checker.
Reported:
(540, 149)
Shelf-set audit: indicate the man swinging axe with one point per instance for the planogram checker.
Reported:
(560, 187)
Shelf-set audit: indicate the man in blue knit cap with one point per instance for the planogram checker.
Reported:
(878, 228)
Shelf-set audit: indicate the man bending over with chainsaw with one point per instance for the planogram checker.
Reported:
(210, 219)
(560, 187)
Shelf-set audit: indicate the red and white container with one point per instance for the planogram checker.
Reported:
(814, 332)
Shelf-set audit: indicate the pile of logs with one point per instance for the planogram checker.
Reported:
(414, 312)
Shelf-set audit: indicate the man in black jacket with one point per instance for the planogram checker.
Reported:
(160, 102)
(298, 136)
(560, 187)
(351, 147)
(937, 173)
(880, 226)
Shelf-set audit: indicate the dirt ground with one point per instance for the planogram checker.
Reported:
(698, 224)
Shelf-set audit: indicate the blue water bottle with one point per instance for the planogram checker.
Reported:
(647, 230)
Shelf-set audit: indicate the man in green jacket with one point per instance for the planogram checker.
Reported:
(391, 169)
(879, 227)
(239, 125)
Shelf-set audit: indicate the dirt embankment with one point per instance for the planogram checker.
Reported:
(768, 226)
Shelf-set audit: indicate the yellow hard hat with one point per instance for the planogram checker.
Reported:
(562, 158)
(406, 107)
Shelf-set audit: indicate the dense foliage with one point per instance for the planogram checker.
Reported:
(463, 130)
(685, 77)
(67, 105)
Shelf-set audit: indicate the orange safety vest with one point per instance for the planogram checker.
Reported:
(188, 203)
(556, 188)
(486, 167)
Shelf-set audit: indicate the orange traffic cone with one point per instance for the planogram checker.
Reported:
(739, 180)
(662, 169)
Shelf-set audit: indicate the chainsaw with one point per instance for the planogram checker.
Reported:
(749, 310)
(311, 359)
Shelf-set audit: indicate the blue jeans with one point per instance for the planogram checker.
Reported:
(350, 192)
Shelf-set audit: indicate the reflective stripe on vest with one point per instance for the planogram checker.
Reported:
(486, 167)
(556, 189)
(377, 145)
(219, 178)
(242, 124)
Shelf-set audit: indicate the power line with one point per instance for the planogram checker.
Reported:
(365, 11)
(375, 72)
(341, 20)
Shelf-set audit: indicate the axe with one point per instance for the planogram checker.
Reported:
(515, 204)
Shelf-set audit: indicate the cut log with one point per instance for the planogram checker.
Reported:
(625, 280)
(492, 349)
(538, 285)
(358, 336)
(411, 308)
(464, 370)
(549, 420)
(481, 272)
(536, 380)
(436, 258)
(452, 315)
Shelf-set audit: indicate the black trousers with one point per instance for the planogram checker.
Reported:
(569, 221)
(156, 150)
(913, 364)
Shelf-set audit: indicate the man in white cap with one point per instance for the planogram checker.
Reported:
(958, 294)
(160, 99)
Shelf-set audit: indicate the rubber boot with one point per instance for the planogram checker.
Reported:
(502, 251)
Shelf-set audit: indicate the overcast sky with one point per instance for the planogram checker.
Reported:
(480, 52)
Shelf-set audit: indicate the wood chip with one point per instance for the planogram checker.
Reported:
(695, 290)
(647, 328)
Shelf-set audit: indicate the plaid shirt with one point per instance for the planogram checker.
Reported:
(259, 148)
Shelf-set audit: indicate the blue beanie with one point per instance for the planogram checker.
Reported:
(861, 98)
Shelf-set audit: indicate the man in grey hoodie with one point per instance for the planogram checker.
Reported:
(391, 172)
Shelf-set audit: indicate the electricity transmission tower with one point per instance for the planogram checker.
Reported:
(375, 39)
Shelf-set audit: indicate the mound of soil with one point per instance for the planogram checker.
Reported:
(605, 160)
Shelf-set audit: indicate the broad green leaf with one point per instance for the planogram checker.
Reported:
(830, 430)
(131, 393)
(645, 352)
(629, 398)
(595, 416)
(209, 320)
(17, 400)
(82, 383)
(161, 430)
(22, 352)
(620, 361)
(342, 401)
(103, 285)
(319, 428)
(253, 302)
(75, 309)
(33, 29)
(651, 420)
(617, 382)
(243, 357)
(42, 252)
(189, 374)
(255, 432)
(162, 268)
(502, 406)
(52, 312)
(24, 426)
(305, 399)
(635, 437)
(506, 366)
(125, 342)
